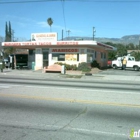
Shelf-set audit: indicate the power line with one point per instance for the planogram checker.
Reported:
(64, 14)
(33, 1)
(26, 1)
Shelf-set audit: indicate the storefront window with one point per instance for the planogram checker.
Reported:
(58, 57)
(89, 57)
(65, 57)
(70, 57)
(45, 55)
(104, 55)
(95, 54)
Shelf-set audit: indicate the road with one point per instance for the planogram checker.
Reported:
(46, 109)
(119, 71)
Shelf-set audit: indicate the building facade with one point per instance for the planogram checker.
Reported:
(45, 53)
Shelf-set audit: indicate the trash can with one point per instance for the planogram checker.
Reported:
(33, 65)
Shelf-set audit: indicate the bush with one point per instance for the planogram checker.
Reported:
(59, 63)
(95, 64)
(67, 66)
(73, 67)
(84, 67)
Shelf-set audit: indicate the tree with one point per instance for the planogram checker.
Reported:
(137, 56)
(10, 32)
(112, 55)
(121, 50)
(8, 38)
(6, 32)
(8, 51)
(50, 22)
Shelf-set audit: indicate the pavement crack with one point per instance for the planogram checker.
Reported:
(78, 115)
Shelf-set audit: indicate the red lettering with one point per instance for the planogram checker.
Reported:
(65, 50)
(54, 50)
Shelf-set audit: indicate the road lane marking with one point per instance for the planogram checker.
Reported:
(7, 86)
(70, 100)
(99, 90)
(27, 125)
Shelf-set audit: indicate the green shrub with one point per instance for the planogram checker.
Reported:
(73, 67)
(67, 66)
(84, 67)
(59, 63)
(95, 64)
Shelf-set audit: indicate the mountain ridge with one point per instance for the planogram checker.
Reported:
(127, 39)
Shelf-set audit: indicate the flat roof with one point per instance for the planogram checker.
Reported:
(43, 44)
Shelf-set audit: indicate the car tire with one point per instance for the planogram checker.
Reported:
(136, 68)
(114, 67)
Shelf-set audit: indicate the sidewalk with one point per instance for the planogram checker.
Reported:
(69, 75)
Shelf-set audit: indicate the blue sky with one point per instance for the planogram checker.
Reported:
(112, 19)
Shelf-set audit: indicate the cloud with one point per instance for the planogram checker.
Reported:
(18, 21)
(43, 24)
(58, 27)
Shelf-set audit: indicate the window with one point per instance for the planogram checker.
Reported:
(89, 57)
(45, 55)
(71, 57)
(101, 55)
(104, 55)
(65, 57)
(95, 54)
(58, 57)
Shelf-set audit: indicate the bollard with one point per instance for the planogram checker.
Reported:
(1, 66)
(63, 69)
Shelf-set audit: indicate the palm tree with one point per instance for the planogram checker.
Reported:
(50, 22)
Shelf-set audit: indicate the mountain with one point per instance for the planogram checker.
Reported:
(124, 40)
(1, 39)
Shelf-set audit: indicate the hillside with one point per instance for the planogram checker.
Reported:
(124, 40)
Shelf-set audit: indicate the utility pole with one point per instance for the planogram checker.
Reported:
(94, 32)
(62, 34)
(68, 33)
(139, 44)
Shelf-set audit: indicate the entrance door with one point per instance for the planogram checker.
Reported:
(45, 56)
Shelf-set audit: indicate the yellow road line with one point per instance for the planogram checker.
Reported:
(69, 100)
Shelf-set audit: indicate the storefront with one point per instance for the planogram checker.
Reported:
(45, 53)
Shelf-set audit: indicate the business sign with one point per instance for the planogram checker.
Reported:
(67, 42)
(69, 50)
(44, 37)
(25, 43)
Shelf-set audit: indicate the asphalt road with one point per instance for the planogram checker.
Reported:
(128, 72)
(45, 109)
